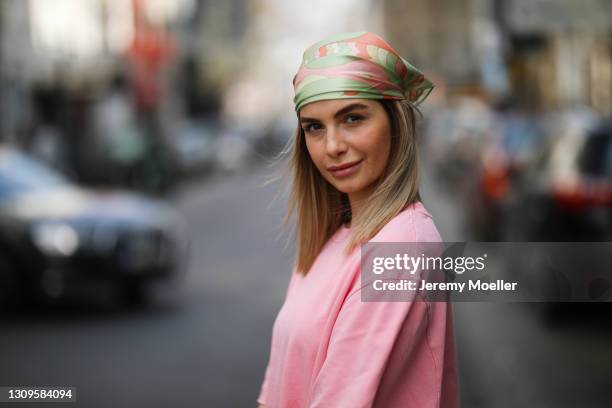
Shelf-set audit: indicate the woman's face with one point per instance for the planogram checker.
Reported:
(348, 141)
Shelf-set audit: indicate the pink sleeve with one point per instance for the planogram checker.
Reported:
(361, 344)
(265, 391)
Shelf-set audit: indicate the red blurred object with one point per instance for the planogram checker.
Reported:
(150, 51)
(583, 194)
(495, 183)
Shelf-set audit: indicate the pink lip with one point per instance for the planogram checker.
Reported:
(344, 170)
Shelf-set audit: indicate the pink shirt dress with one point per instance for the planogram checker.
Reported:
(329, 349)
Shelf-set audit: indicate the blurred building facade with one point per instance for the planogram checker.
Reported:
(212, 41)
(435, 34)
(16, 64)
(544, 54)
(561, 52)
(65, 64)
(67, 44)
(88, 41)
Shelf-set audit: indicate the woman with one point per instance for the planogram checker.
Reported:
(355, 179)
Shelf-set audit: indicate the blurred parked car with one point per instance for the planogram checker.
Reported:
(57, 239)
(567, 192)
(565, 195)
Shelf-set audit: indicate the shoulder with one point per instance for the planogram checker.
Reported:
(413, 224)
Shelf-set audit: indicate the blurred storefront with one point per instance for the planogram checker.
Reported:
(435, 34)
(544, 54)
(561, 52)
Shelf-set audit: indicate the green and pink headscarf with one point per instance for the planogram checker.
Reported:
(357, 65)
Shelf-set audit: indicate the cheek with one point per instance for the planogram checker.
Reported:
(381, 152)
(316, 153)
(377, 148)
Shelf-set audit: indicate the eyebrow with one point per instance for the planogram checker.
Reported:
(346, 109)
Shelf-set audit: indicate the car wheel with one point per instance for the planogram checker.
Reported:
(133, 294)
(10, 286)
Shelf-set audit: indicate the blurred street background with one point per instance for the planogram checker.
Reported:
(142, 258)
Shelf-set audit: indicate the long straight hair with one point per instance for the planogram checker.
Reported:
(320, 209)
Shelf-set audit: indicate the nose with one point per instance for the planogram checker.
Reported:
(335, 143)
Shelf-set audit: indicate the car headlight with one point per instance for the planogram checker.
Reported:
(55, 238)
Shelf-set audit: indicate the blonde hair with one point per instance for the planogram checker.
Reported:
(320, 209)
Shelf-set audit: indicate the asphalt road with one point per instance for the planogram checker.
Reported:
(206, 343)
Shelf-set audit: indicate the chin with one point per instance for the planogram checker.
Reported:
(348, 187)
